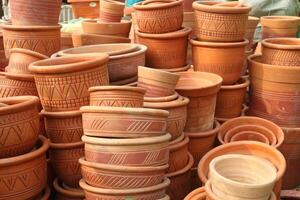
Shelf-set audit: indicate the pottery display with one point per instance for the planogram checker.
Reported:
(65, 194)
(223, 58)
(111, 10)
(179, 154)
(63, 83)
(83, 39)
(251, 28)
(85, 8)
(66, 40)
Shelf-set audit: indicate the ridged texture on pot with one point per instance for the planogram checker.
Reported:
(66, 194)
(85, 8)
(84, 39)
(179, 155)
(111, 10)
(197, 194)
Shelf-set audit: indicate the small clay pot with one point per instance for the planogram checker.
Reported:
(223, 58)
(197, 194)
(161, 99)
(251, 28)
(28, 172)
(66, 194)
(123, 122)
(220, 23)
(127, 152)
(156, 16)
(84, 39)
(157, 83)
(85, 8)
(66, 40)
(111, 11)
(179, 154)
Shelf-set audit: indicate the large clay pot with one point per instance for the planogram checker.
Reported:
(63, 83)
(84, 39)
(28, 172)
(179, 154)
(41, 39)
(19, 125)
(111, 11)
(160, 54)
(251, 28)
(220, 23)
(197, 194)
(223, 58)
(201, 88)
(85, 8)
(123, 122)
(155, 16)
(66, 194)
(35, 13)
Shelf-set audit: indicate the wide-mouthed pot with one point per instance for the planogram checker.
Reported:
(85, 8)
(111, 10)
(179, 154)
(84, 39)
(65, 193)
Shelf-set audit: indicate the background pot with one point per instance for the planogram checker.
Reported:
(111, 11)
(85, 8)
(179, 155)
(84, 39)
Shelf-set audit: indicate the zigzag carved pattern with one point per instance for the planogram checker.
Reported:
(67, 154)
(281, 57)
(115, 103)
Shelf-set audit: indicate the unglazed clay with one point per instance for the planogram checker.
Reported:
(179, 154)
(85, 8)
(111, 10)
(83, 39)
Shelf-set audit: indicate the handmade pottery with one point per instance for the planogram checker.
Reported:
(201, 88)
(85, 8)
(223, 58)
(83, 39)
(161, 99)
(179, 154)
(123, 122)
(179, 69)
(66, 40)
(155, 16)
(111, 11)
(66, 194)
(197, 194)
(28, 172)
(126, 82)
(251, 28)
(220, 23)
(63, 83)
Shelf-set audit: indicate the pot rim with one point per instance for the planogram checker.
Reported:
(157, 75)
(60, 115)
(141, 6)
(178, 69)
(215, 130)
(20, 103)
(244, 84)
(115, 87)
(208, 6)
(196, 42)
(97, 22)
(184, 31)
(183, 170)
(29, 28)
(179, 102)
(77, 34)
(73, 145)
(19, 77)
(281, 19)
(195, 193)
(64, 191)
(28, 52)
(273, 43)
(161, 99)
(179, 142)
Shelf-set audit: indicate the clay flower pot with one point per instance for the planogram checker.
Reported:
(28, 172)
(20, 59)
(85, 8)
(155, 16)
(84, 39)
(177, 114)
(33, 13)
(281, 51)
(146, 193)
(166, 50)
(42, 39)
(127, 152)
(63, 127)
(63, 83)
(123, 122)
(230, 99)
(64, 160)
(251, 28)
(279, 26)
(197, 194)
(179, 155)
(157, 83)
(223, 58)
(121, 29)
(161, 99)
(220, 23)
(66, 40)
(202, 142)
(19, 125)
(66, 194)
(111, 11)
(201, 88)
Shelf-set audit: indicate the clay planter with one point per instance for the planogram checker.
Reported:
(177, 114)
(157, 83)
(179, 155)
(246, 148)
(66, 194)
(127, 152)
(155, 16)
(161, 99)
(274, 92)
(66, 40)
(121, 29)
(42, 39)
(197, 194)
(279, 26)
(230, 99)
(35, 13)
(202, 142)
(281, 51)
(201, 88)
(63, 83)
(111, 11)
(84, 39)
(117, 96)
(20, 59)
(85, 8)
(223, 58)
(147, 193)
(251, 28)
(28, 172)
(63, 127)
(64, 160)
(19, 125)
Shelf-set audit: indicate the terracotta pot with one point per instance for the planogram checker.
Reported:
(202, 142)
(281, 51)
(157, 83)
(147, 193)
(161, 99)
(179, 154)
(64, 160)
(177, 114)
(159, 54)
(279, 26)
(201, 88)
(247, 148)
(180, 181)
(85, 8)
(41, 39)
(28, 172)
(19, 125)
(84, 39)
(149, 151)
(123, 122)
(220, 23)
(251, 28)
(121, 29)
(66, 40)
(20, 60)
(45, 195)
(179, 69)
(63, 83)
(126, 82)
(3, 60)
(230, 99)
(63, 127)
(65, 194)
(225, 59)
(290, 194)
(33, 13)
(197, 194)
(274, 92)
(111, 11)
(155, 16)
